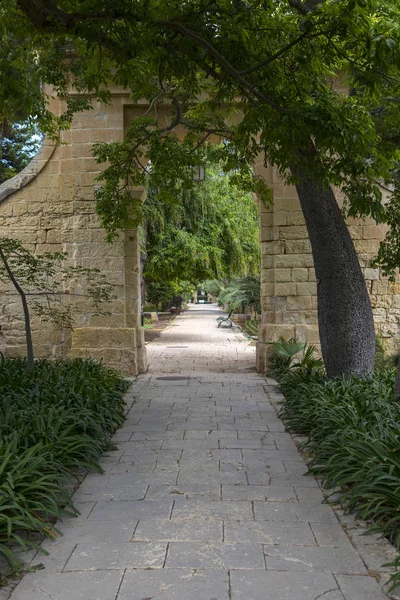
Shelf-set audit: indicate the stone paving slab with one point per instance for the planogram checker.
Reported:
(207, 497)
(225, 556)
(101, 585)
(175, 585)
(268, 532)
(273, 585)
(118, 555)
(301, 558)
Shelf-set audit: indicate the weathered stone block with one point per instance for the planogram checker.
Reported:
(285, 289)
(380, 287)
(282, 274)
(294, 260)
(308, 333)
(373, 274)
(299, 274)
(306, 289)
(298, 302)
(275, 247)
(268, 234)
(103, 337)
(298, 246)
(308, 317)
(294, 218)
(355, 231)
(374, 232)
(293, 232)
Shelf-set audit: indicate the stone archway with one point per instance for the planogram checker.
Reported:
(50, 207)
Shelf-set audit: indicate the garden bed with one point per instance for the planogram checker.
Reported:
(352, 439)
(154, 329)
(55, 422)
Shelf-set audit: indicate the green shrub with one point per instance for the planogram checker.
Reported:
(353, 435)
(285, 356)
(55, 421)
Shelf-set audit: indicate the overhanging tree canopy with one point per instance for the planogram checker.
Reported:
(267, 66)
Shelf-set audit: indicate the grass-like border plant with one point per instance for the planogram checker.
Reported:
(352, 430)
(55, 422)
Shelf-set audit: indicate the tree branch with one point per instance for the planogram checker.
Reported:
(305, 8)
(243, 83)
(273, 57)
(46, 15)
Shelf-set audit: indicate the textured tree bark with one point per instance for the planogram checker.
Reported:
(346, 325)
(397, 383)
(27, 319)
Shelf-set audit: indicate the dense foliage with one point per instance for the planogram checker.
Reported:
(389, 252)
(210, 230)
(259, 74)
(352, 429)
(54, 421)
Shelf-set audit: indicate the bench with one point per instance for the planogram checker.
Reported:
(227, 319)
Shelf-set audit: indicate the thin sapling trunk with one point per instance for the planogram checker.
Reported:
(397, 383)
(27, 319)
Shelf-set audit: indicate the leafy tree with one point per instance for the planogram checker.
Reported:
(168, 293)
(211, 230)
(259, 74)
(18, 144)
(47, 280)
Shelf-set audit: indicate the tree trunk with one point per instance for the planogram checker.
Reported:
(397, 383)
(27, 319)
(346, 325)
(28, 333)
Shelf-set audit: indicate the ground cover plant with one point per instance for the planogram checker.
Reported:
(55, 421)
(352, 428)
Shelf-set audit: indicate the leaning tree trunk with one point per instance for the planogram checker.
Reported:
(397, 383)
(346, 325)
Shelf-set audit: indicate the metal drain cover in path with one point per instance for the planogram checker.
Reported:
(177, 346)
(174, 378)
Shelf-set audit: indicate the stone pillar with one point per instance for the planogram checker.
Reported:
(288, 288)
(116, 339)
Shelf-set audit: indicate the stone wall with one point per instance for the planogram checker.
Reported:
(288, 284)
(50, 208)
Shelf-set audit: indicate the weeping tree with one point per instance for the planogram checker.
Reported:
(257, 74)
(210, 230)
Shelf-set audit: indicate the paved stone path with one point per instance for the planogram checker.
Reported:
(206, 497)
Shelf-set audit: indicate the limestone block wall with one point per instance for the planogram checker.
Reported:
(51, 208)
(288, 284)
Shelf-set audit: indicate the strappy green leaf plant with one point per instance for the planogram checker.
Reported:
(353, 438)
(55, 422)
